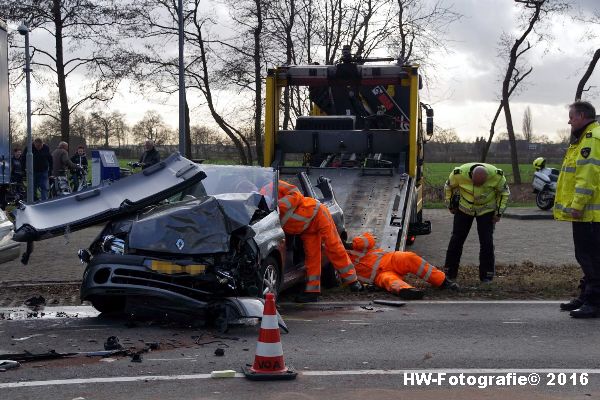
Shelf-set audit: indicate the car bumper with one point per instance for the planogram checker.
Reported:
(9, 249)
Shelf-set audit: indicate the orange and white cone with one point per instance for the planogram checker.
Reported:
(268, 361)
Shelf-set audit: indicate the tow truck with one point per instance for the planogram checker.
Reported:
(364, 135)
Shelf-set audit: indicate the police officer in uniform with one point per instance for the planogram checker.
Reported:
(475, 191)
(578, 200)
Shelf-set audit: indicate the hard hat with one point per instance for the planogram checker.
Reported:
(539, 163)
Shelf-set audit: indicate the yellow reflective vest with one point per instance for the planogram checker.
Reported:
(578, 186)
(492, 196)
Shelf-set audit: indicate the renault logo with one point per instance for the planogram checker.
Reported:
(180, 243)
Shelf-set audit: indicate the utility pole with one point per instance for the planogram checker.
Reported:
(24, 30)
(181, 83)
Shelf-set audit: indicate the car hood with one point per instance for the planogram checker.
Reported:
(96, 205)
(198, 226)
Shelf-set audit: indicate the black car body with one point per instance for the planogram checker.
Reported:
(179, 236)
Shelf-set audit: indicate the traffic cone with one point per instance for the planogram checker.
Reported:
(268, 361)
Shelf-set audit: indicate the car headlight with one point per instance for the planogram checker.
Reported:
(112, 244)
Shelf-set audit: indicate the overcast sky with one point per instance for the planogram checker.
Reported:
(465, 95)
(466, 85)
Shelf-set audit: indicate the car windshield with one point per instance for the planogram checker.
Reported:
(221, 179)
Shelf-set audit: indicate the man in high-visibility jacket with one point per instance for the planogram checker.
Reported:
(475, 191)
(311, 220)
(578, 200)
(387, 269)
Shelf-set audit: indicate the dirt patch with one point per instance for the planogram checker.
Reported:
(526, 281)
(14, 295)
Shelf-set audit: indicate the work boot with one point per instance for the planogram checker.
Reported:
(356, 287)
(450, 285)
(411, 294)
(574, 304)
(307, 297)
(586, 311)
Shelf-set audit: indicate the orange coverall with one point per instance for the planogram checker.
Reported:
(387, 269)
(311, 220)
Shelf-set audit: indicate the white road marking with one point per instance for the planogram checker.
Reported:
(122, 379)
(28, 337)
(513, 322)
(486, 302)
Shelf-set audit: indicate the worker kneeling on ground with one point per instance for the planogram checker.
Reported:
(311, 220)
(387, 269)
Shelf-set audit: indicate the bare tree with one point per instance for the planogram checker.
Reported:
(152, 127)
(109, 125)
(157, 19)
(419, 29)
(533, 10)
(527, 125)
(76, 27)
(586, 75)
(444, 135)
(564, 136)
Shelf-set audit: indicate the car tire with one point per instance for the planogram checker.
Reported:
(269, 277)
(106, 304)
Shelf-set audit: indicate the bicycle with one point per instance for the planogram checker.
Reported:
(59, 185)
(79, 178)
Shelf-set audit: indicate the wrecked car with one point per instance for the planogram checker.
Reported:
(179, 236)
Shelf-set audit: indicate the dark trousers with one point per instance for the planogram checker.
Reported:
(460, 230)
(586, 236)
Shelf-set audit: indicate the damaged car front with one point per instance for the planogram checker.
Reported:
(180, 237)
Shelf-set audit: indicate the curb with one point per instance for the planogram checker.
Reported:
(16, 284)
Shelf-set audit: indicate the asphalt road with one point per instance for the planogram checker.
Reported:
(541, 241)
(341, 352)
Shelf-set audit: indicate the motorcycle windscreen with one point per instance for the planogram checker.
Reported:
(99, 204)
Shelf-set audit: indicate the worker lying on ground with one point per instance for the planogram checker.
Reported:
(386, 269)
(311, 220)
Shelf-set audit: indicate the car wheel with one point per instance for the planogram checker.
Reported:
(269, 277)
(106, 304)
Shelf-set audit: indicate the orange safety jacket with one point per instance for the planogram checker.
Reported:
(370, 261)
(296, 212)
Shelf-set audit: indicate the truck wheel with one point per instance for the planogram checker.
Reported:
(106, 304)
(270, 277)
(544, 199)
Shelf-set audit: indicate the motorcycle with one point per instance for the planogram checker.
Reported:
(544, 184)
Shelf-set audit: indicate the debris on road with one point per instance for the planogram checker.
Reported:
(393, 303)
(5, 365)
(219, 352)
(27, 356)
(228, 373)
(112, 343)
(35, 301)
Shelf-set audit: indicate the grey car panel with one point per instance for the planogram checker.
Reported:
(80, 210)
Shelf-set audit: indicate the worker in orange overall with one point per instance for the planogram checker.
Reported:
(311, 220)
(387, 269)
